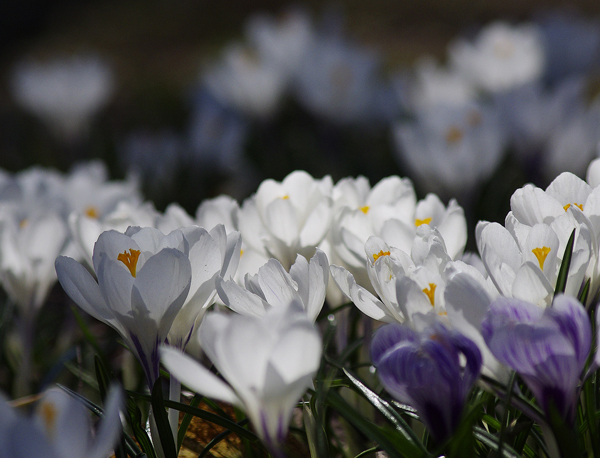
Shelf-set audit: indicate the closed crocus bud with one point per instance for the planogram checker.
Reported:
(432, 371)
(548, 347)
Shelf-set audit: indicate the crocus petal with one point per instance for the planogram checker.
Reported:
(193, 375)
(239, 299)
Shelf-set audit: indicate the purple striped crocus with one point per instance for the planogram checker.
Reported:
(547, 347)
(432, 371)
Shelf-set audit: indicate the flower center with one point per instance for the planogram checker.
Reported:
(49, 414)
(540, 254)
(365, 209)
(130, 260)
(380, 254)
(454, 135)
(91, 212)
(430, 293)
(419, 222)
(286, 197)
(579, 206)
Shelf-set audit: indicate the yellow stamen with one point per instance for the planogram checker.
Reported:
(443, 313)
(380, 254)
(540, 254)
(91, 212)
(419, 222)
(365, 209)
(49, 414)
(454, 135)
(430, 293)
(286, 197)
(241, 253)
(130, 260)
(579, 206)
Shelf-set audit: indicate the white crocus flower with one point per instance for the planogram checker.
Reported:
(267, 364)
(29, 244)
(408, 286)
(501, 56)
(213, 254)
(242, 80)
(272, 286)
(281, 41)
(143, 281)
(60, 428)
(287, 218)
(523, 261)
(65, 92)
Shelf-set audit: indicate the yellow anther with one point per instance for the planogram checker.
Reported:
(241, 253)
(91, 212)
(380, 254)
(443, 313)
(579, 206)
(430, 293)
(419, 222)
(540, 254)
(130, 260)
(286, 197)
(454, 135)
(49, 414)
(365, 209)
(24, 222)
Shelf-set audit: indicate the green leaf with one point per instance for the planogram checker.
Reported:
(134, 418)
(583, 296)
(205, 415)
(566, 437)
(162, 421)
(218, 438)
(388, 412)
(563, 273)
(396, 445)
(185, 422)
(102, 377)
(492, 441)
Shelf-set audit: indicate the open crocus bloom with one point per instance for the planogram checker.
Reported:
(432, 371)
(143, 281)
(548, 347)
(272, 286)
(60, 428)
(267, 364)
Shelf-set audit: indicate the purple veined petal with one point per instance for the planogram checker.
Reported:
(574, 324)
(389, 336)
(473, 358)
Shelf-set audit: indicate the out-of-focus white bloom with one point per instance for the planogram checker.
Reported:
(409, 286)
(532, 113)
(281, 41)
(571, 43)
(143, 281)
(267, 364)
(433, 86)
(60, 428)
(451, 148)
(216, 135)
(574, 144)
(287, 218)
(154, 156)
(272, 286)
(219, 210)
(339, 81)
(501, 56)
(65, 92)
(593, 173)
(29, 244)
(242, 80)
